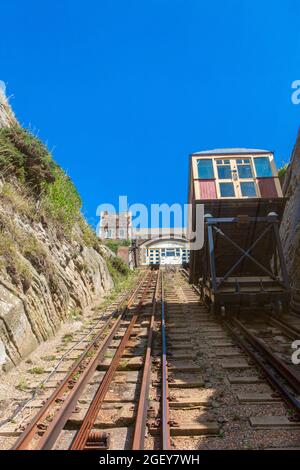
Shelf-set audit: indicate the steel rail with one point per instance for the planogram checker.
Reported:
(276, 367)
(289, 375)
(138, 441)
(184, 273)
(185, 276)
(165, 406)
(289, 330)
(73, 386)
(270, 372)
(81, 439)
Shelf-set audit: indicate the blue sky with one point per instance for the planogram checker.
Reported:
(124, 90)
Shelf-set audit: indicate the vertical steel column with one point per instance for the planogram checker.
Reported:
(212, 257)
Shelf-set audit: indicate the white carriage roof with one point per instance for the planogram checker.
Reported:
(230, 151)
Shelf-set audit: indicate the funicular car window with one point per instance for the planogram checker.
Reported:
(224, 169)
(248, 189)
(227, 190)
(205, 169)
(263, 167)
(244, 169)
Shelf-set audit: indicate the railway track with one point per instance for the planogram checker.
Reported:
(267, 341)
(45, 427)
(163, 373)
(147, 343)
(86, 436)
(270, 347)
(125, 327)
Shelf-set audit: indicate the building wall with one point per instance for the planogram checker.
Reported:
(115, 226)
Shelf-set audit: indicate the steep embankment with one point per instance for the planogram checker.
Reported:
(290, 226)
(51, 262)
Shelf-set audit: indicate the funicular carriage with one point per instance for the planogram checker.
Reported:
(241, 264)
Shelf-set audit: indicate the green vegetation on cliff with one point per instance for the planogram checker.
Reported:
(113, 245)
(25, 157)
(33, 186)
(282, 171)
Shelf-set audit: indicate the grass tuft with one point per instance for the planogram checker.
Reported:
(67, 338)
(22, 386)
(36, 370)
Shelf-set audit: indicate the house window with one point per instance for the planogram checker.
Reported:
(263, 167)
(205, 169)
(248, 189)
(227, 190)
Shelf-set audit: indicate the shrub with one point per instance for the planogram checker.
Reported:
(25, 156)
(282, 171)
(113, 245)
(88, 234)
(119, 265)
(61, 201)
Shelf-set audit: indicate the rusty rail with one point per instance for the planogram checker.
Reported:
(81, 439)
(284, 370)
(84, 367)
(271, 365)
(289, 330)
(165, 408)
(142, 409)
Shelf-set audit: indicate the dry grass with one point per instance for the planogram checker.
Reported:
(18, 198)
(7, 117)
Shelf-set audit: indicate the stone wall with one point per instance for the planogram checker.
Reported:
(290, 226)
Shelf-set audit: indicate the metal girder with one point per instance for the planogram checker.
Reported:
(213, 225)
(246, 253)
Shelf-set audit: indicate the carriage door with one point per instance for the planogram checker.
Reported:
(227, 186)
(244, 177)
(235, 178)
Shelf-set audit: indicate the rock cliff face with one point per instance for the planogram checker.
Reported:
(51, 263)
(290, 226)
(60, 279)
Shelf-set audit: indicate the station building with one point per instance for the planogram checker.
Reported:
(166, 252)
(162, 247)
(115, 226)
(155, 246)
